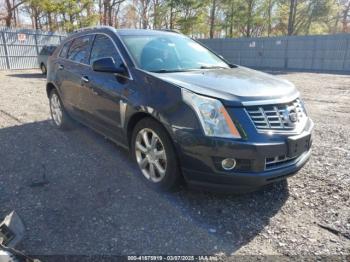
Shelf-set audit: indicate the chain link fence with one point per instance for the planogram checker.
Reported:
(19, 48)
(328, 53)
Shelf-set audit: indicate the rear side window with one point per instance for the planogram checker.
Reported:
(43, 51)
(51, 49)
(64, 50)
(79, 50)
(47, 50)
(104, 47)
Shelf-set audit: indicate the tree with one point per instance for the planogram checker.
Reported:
(171, 7)
(129, 18)
(251, 20)
(111, 8)
(189, 14)
(212, 18)
(205, 18)
(35, 9)
(143, 9)
(157, 11)
(229, 14)
(10, 7)
(232, 12)
(269, 9)
(345, 16)
(49, 7)
(292, 16)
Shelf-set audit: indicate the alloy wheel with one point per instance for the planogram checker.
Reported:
(150, 155)
(56, 109)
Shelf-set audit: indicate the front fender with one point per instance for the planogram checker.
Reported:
(163, 102)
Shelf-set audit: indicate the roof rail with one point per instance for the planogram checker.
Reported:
(170, 30)
(91, 27)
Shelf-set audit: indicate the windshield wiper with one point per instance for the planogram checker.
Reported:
(213, 67)
(186, 70)
(168, 71)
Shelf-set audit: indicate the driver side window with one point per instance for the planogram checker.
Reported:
(104, 47)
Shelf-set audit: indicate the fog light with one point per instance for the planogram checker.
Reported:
(228, 163)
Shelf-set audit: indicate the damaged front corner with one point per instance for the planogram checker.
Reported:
(11, 230)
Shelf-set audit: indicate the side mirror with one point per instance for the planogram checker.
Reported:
(107, 65)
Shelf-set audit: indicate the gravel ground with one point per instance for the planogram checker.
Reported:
(81, 194)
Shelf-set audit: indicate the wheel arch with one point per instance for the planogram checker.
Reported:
(137, 117)
(49, 87)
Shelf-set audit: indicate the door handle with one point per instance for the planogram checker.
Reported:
(60, 67)
(85, 79)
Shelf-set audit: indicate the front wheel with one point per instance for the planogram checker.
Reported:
(155, 155)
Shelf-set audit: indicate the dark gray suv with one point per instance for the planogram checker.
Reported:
(184, 112)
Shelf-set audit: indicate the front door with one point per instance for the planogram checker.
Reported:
(101, 95)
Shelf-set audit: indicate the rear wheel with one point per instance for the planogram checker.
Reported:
(43, 69)
(155, 155)
(59, 115)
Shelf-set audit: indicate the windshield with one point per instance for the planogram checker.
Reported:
(166, 53)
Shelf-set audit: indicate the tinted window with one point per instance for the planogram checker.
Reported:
(79, 50)
(64, 49)
(51, 49)
(104, 47)
(47, 50)
(43, 51)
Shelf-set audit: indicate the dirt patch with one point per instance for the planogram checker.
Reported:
(81, 194)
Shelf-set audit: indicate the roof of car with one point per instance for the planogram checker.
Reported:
(142, 32)
(123, 32)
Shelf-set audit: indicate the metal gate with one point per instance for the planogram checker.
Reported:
(19, 48)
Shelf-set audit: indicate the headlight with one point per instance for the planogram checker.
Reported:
(212, 114)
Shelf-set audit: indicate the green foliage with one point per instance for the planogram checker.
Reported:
(191, 13)
(312, 16)
(233, 18)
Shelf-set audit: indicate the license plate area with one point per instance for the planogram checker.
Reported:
(298, 144)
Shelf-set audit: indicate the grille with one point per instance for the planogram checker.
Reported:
(278, 117)
(278, 161)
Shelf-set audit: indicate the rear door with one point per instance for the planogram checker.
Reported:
(58, 66)
(102, 92)
(71, 68)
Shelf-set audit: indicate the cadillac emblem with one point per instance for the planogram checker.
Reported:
(290, 115)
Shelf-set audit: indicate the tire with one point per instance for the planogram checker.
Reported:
(43, 69)
(168, 180)
(59, 116)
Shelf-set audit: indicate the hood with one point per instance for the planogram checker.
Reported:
(234, 86)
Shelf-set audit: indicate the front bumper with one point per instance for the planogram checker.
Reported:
(241, 182)
(201, 158)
